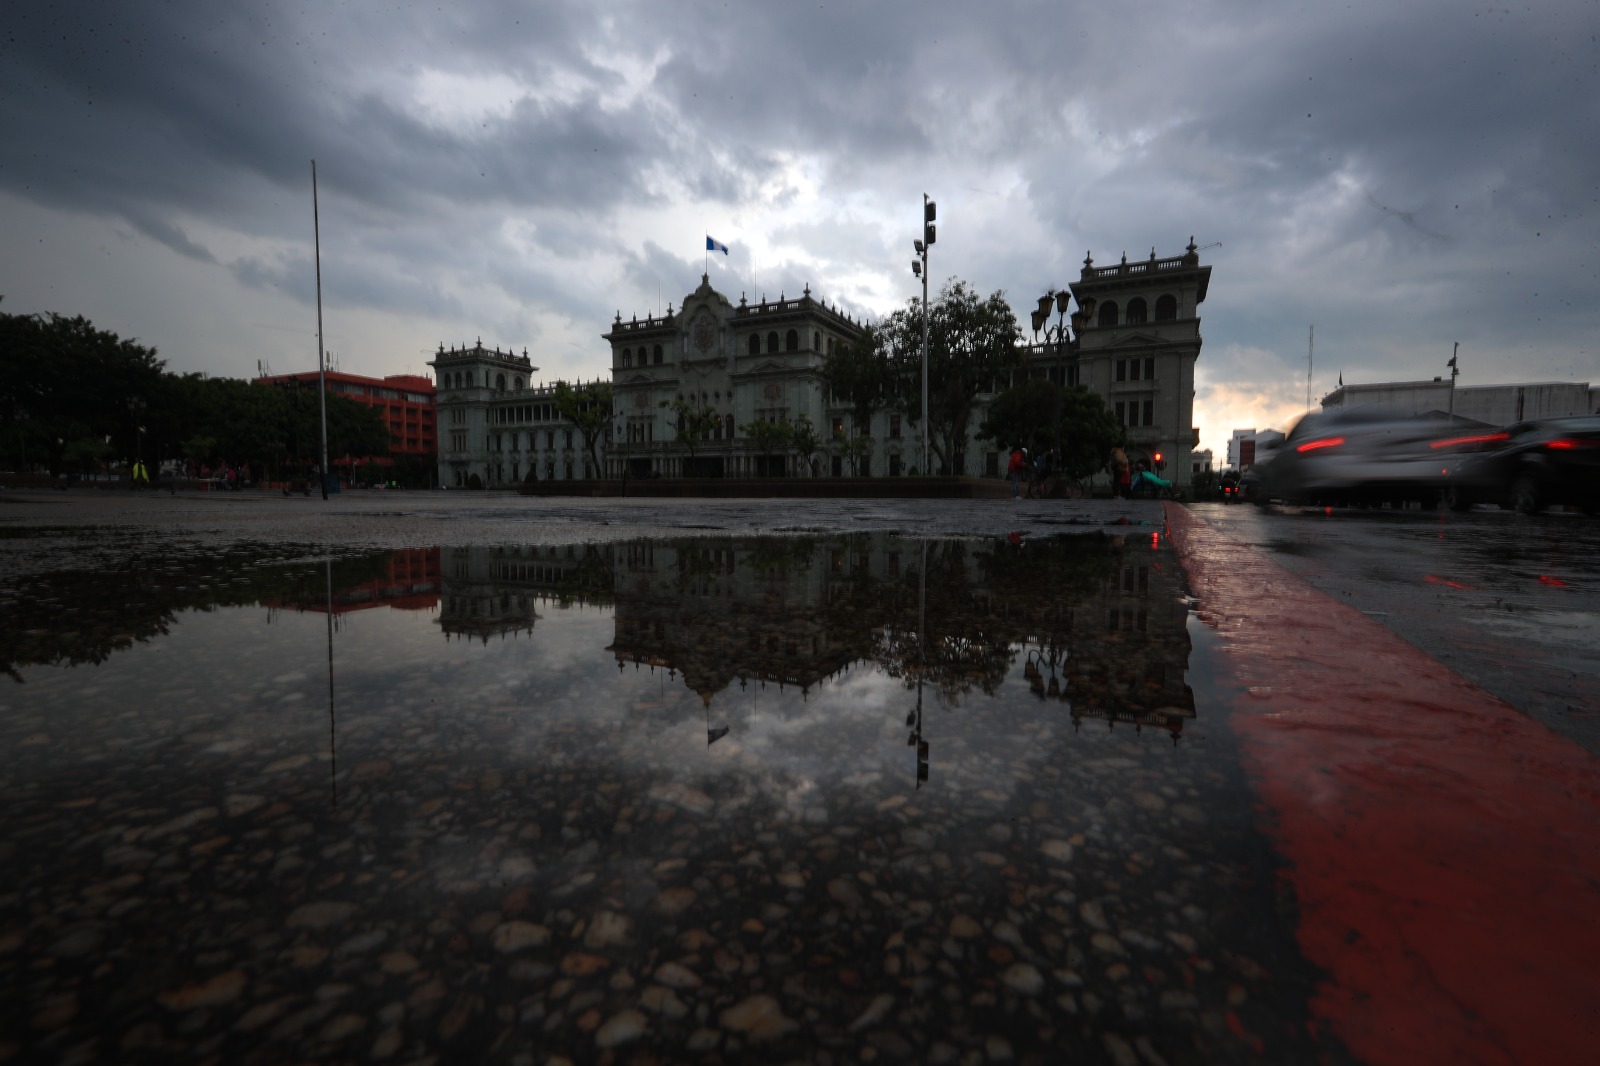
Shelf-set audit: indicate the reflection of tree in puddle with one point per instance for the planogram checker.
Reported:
(74, 617)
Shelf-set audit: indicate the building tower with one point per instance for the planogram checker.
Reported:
(1140, 350)
(473, 383)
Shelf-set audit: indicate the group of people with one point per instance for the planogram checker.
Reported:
(1032, 469)
(1125, 479)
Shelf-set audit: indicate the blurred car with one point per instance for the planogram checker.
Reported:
(1372, 456)
(1531, 465)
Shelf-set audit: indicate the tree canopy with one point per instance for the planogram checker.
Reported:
(589, 408)
(972, 343)
(1028, 415)
(73, 396)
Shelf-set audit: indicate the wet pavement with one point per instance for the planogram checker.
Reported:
(409, 779)
(769, 797)
(1510, 601)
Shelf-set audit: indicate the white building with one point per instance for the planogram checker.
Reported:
(765, 361)
(1496, 405)
(1246, 446)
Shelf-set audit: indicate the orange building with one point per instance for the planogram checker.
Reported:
(406, 400)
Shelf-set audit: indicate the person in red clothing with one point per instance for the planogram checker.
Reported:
(1015, 468)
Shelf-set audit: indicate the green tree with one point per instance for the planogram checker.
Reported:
(64, 382)
(860, 373)
(852, 449)
(588, 407)
(769, 437)
(972, 343)
(1026, 414)
(805, 440)
(694, 423)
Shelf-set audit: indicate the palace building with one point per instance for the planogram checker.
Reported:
(741, 363)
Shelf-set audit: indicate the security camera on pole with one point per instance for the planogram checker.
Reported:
(919, 267)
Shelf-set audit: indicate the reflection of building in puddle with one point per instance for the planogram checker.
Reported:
(495, 591)
(726, 612)
(1119, 653)
(410, 582)
(1098, 622)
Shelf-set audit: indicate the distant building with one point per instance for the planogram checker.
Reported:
(1492, 404)
(406, 402)
(1200, 462)
(764, 361)
(495, 424)
(1246, 446)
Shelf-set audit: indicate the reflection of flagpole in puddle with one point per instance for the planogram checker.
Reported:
(915, 740)
(333, 738)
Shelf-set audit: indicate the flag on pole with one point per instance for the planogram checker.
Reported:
(714, 245)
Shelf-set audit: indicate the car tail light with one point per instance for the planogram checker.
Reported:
(1476, 443)
(1325, 442)
(1563, 444)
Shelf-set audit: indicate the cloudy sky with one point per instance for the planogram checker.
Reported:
(1402, 175)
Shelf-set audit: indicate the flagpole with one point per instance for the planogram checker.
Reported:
(322, 372)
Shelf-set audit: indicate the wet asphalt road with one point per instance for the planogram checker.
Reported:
(1510, 602)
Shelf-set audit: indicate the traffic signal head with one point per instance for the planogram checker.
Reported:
(1158, 459)
(930, 211)
(930, 233)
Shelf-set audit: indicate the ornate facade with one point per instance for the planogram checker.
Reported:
(745, 362)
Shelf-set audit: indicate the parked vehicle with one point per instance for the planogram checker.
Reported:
(1373, 457)
(1531, 465)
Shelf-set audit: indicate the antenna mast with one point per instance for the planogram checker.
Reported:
(1311, 344)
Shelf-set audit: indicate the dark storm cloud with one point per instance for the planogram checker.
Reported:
(1386, 170)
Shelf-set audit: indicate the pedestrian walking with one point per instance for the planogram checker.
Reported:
(1014, 469)
(141, 476)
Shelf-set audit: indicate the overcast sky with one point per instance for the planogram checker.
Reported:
(1402, 175)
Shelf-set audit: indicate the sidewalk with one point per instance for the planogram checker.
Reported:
(1440, 846)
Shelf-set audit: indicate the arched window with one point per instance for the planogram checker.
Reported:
(519, 384)
(500, 382)
(755, 344)
(1166, 308)
(1108, 313)
(658, 355)
(791, 342)
(772, 341)
(627, 357)
(1137, 312)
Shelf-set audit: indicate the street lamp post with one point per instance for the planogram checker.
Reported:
(919, 267)
(1061, 339)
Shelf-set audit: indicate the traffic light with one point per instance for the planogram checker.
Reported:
(930, 212)
(1158, 460)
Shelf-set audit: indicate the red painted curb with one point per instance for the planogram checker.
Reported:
(1441, 845)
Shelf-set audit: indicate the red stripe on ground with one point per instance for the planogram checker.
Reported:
(1440, 844)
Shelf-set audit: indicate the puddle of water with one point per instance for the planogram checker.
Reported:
(786, 797)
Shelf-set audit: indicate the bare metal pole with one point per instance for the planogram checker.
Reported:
(322, 369)
(1311, 343)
